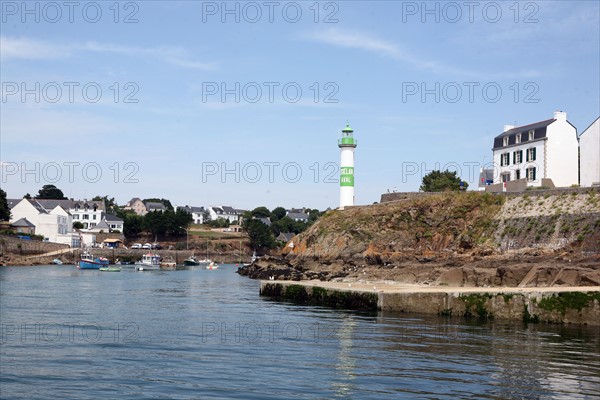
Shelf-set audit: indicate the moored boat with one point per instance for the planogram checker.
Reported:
(57, 261)
(87, 261)
(149, 262)
(212, 265)
(192, 261)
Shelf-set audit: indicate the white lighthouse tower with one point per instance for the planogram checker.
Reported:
(347, 144)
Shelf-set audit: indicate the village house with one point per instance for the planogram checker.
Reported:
(545, 151)
(589, 145)
(53, 223)
(196, 212)
(225, 212)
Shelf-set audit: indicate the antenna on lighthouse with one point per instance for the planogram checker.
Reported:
(347, 144)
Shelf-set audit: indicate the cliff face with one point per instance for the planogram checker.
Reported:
(451, 238)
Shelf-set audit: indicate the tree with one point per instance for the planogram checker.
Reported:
(206, 216)
(277, 214)
(50, 192)
(261, 212)
(260, 234)
(109, 203)
(437, 181)
(133, 224)
(77, 225)
(27, 196)
(4, 210)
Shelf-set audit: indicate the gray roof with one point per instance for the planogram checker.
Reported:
(22, 223)
(538, 127)
(102, 225)
(150, 205)
(285, 236)
(191, 209)
(112, 218)
(298, 215)
(12, 202)
(133, 200)
(38, 206)
(229, 210)
(50, 204)
(266, 221)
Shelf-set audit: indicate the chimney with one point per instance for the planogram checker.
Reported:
(560, 115)
(508, 127)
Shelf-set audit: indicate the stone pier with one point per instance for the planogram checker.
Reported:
(578, 305)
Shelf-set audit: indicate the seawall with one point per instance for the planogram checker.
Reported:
(577, 305)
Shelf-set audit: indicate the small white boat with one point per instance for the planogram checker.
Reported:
(57, 261)
(254, 258)
(149, 262)
(212, 265)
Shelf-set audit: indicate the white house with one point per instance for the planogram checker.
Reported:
(589, 147)
(54, 224)
(542, 150)
(225, 212)
(197, 213)
(114, 223)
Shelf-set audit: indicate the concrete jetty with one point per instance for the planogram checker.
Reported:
(578, 305)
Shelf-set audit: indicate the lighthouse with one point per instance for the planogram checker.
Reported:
(347, 144)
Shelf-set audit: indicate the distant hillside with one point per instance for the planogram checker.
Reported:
(450, 238)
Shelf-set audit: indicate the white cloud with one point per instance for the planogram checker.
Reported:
(381, 47)
(29, 49)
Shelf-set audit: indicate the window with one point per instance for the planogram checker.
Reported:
(505, 141)
(92, 224)
(531, 154)
(530, 174)
(518, 138)
(75, 216)
(518, 174)
(86, 216)
(504, 159)
(94, 216)
(517, 157)
(506, 177)
(531, 134)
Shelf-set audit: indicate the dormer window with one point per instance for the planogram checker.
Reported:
(531, 134)
(518, 138)
(505, 141)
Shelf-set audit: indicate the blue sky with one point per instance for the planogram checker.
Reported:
(422, 88)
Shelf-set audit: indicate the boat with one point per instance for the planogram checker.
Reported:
(149, 262)
(168, 264)
(110, 269)
(192, 261)
(57, 261)
(212, 265)
(254, 258)
(87, 261)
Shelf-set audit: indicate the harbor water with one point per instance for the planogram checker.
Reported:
(194, 334)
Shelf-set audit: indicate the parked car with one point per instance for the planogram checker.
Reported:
(147, 246)
(136, 246)
(156, 246)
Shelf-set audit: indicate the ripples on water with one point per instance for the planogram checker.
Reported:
(207, 334)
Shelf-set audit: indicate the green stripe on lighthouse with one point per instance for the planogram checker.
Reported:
(347, 176)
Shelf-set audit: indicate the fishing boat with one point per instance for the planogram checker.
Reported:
(87, 261)
(110, 269)
(149, 262)
(192, 261)
(168, 264)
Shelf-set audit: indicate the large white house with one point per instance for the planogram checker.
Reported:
(225, 212)
(542, 150)
(197, 213)
(55, 223)
(589, 145)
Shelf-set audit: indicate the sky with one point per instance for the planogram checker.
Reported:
(242, 103)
